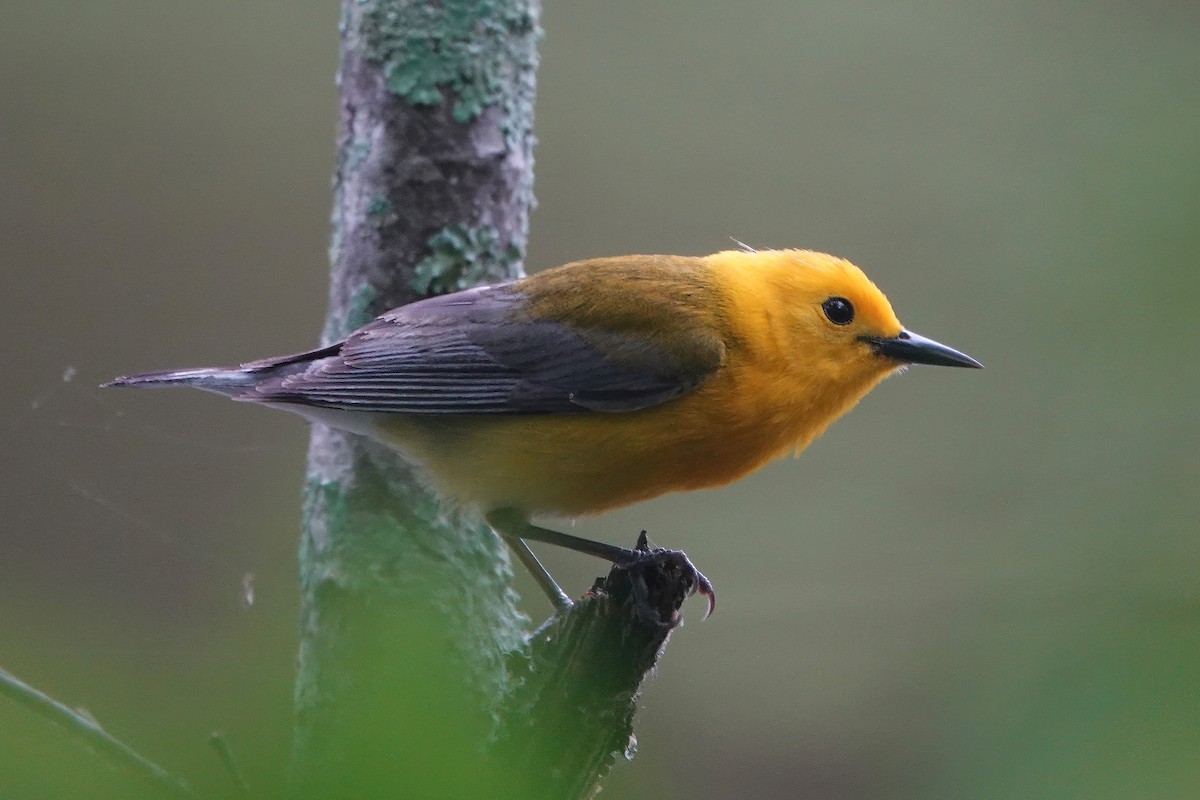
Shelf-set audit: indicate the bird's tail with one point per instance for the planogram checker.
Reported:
(229, 381)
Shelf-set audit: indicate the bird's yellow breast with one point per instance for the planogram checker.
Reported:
(576, 464)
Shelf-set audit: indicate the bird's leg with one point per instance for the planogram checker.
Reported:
(515, 528)
(558, 598)
(507, 525)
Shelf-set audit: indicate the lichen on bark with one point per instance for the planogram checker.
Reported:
(476, 53)
(461, 256)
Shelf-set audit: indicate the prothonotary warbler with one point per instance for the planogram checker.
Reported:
(599, 383)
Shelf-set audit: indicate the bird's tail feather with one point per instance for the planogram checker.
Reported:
(228, 381)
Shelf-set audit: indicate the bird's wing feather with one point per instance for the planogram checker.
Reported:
(474, 352)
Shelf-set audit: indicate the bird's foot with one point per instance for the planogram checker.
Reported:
(673, 562)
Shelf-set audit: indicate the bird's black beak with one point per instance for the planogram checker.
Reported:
(912, 348)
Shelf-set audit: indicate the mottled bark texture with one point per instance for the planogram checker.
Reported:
(409, 627)
(407, 615)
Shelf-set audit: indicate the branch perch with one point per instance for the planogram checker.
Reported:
(571, 713)
(92, 734)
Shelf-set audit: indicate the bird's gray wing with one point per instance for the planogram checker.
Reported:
(476, 352)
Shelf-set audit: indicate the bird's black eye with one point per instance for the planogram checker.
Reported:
(838, 310)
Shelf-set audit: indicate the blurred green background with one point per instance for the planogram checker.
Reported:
(978, 585)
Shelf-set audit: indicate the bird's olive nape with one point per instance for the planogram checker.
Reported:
(838, 310)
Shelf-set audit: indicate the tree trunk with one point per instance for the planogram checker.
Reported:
(407, 614)
(408, 623)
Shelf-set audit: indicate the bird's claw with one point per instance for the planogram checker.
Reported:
(699, 583)
(705, 588)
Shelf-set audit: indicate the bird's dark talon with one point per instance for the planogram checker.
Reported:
(699, 584)
(704, 587)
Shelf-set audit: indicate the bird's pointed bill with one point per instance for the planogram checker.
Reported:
(912, 348)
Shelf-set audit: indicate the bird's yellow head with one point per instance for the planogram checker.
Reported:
(823, 322)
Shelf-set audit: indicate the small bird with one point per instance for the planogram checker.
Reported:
(599, 383)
